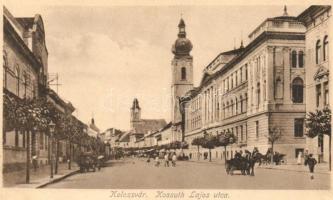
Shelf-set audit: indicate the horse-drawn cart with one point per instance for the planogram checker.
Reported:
(87, 161)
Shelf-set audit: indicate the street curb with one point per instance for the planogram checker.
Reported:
(294, 170)
(58, 179)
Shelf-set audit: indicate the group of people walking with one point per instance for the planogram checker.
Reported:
(167, 158)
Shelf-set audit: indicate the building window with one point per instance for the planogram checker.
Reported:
(23, 139)
(236, 78)
(326, 94)
(17, 77)
(246, 72)
(236, 105)
(257, 129)
(278, 88)
(16, 138)
(318, 95)
(183, 73)
(241, 75)
(241, 133)
(298, 127)
(41, 141)
(325, 53)
(293, 59)
(300, 59)
(318, 46)
(241, 104)
(5, 65)
(297, 90)
(258, 94)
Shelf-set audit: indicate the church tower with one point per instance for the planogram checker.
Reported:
(182, 71)
(135, 113)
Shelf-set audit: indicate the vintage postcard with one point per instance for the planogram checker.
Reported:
(166, 100)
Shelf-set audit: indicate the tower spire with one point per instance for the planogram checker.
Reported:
(181, 26)
(285, 13)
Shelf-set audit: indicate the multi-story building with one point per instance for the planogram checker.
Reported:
(250, 90)
(24, 72)
(317, 20)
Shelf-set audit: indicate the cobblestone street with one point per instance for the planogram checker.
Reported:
(137, 174)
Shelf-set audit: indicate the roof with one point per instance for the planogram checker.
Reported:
(67, 105)
(146, 125)
(311, 11)
(125, 137)
(94, 127)
(26, 22)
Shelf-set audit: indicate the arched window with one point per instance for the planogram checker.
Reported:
(228, 113)
(318, 46)
(223, 111)
(325, 54)
(232, 108)
(297, 90)
(183, 73)
(293, 59)
(300, 59)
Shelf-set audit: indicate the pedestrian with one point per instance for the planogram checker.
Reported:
(34, 162)
(157, 161)
(306, 156)
(190, 156)
(311, 162)
(299, 158)
(174, 159)
(166, 160)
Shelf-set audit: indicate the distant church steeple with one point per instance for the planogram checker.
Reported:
(135, 112)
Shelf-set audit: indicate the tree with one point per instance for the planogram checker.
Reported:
(274, 134)
(198, 142)
(209, 142)
(26, 115)
(225, 139)
(318, 123)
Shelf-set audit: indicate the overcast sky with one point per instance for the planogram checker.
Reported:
(108, 55)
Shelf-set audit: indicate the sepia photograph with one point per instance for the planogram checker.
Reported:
(166, 97)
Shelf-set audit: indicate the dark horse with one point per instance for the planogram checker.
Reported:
(245, 165)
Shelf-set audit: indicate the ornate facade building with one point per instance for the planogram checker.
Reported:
(252, 89)
(317, 20)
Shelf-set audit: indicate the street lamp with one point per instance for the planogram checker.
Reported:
(52, 128)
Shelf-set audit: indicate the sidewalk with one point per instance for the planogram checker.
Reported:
(321, 168)
(40, 178)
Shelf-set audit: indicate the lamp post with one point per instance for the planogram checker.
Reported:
(51, 127)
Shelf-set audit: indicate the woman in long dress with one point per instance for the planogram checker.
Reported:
(299, 158)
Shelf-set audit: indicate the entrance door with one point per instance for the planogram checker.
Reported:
(297, 152)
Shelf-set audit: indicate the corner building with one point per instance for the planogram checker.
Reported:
(252, 89)
(317, 20)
